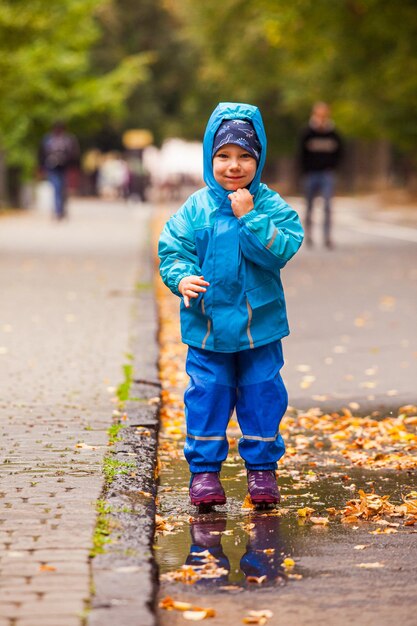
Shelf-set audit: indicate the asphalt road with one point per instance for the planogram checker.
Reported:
(353, 312)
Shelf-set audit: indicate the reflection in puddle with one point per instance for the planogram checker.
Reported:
(259, 543)
(232, 548)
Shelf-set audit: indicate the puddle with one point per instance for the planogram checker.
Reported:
(230, 547)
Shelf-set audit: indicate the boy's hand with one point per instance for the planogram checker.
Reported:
(191, 286)
(242, 202)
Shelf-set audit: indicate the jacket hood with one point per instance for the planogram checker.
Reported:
(232, 111)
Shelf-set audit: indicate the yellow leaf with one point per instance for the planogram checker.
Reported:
(247, 503)
(305, 511)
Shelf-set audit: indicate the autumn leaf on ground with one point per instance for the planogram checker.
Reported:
(258, 617)
(305, 512)
(47, 568)
(383, 531)
(321, 521)
(366, 507)
(256, 579)
(196, 616)
(170, 604)
(247, 503)
(288, 563)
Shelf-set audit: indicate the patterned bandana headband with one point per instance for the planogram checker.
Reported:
(239, 132)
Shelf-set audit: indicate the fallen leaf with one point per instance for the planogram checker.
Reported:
(84, 446)
(385, 531)
(258, 617)
(256, 579)
(305, 512)
(247, 503)
(47, 568)
(319, 520)
(196, 616)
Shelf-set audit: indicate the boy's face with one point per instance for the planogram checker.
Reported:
(233, 167)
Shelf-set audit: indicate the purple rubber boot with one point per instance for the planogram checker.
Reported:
(206, 488)
(262, 486)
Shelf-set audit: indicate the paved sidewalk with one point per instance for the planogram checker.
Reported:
(352, 311)
(66, 301)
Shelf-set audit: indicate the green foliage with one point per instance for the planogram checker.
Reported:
(103, 528)
(123, 390)
(148, 27)
(360, 55)
(112, 468)
(46, 72)
(113, 433)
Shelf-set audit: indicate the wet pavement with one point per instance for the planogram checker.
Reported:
(241, 531)
(68, 301)
(353, 347)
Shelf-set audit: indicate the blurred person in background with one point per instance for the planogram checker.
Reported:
(320, 152)
(113, 177)
(139, 177)
(91, 164)
(58, 153)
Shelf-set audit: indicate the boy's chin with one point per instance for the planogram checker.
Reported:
(234, 187)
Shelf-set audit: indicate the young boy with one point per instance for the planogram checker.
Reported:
(222, 252)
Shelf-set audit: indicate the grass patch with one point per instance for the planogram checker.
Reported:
(112, 468)
(113, 433)
(123, 390)
(103, 528)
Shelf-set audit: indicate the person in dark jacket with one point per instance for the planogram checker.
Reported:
(320, 152)
(222, 252)
(59, 150)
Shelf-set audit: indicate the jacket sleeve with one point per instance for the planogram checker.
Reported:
(271, 234)
(177, 252)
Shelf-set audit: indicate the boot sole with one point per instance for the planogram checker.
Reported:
(208, 500)
(264, 499)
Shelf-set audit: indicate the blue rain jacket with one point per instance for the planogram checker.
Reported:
(244, 305)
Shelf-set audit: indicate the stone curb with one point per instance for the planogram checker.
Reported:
(124, 577)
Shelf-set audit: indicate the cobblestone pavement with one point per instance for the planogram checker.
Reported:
(66, 291)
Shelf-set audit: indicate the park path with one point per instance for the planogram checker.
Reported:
(352, 349)
(67, 291)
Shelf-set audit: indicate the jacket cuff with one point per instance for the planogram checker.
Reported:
(248, 217)
(175, 284)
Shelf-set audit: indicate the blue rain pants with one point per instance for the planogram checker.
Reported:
(248, 381)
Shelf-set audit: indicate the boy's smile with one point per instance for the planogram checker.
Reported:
(233, 167)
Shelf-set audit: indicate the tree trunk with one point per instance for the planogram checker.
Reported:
(3, 179)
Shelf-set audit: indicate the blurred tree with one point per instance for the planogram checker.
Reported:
(130, 27)
(46, 73)
(360, 55)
